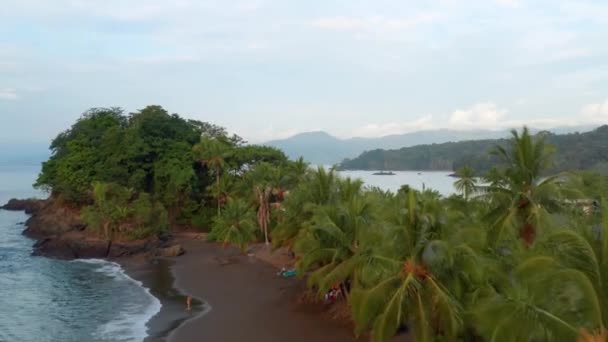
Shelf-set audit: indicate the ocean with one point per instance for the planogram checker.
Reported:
(436, 180)
(44, 299)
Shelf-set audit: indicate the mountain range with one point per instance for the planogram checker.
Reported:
(572, 151)
(321, 148)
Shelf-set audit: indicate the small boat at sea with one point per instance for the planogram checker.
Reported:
(383, 173)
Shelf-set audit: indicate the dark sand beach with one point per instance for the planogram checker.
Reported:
(247, 300)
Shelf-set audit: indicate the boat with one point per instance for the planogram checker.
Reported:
(383, 173)
(287, 273)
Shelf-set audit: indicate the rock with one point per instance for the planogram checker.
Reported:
(172, 251)
(28, 205)
(61, 233)
(70, 248)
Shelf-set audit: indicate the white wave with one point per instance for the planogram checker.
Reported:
(128, 325)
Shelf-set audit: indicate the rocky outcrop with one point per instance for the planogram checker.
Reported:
(28, 205)
(61, 233)
(51, 219)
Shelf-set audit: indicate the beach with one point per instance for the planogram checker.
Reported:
(247, 300)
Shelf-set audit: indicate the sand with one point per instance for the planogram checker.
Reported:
(247, 301)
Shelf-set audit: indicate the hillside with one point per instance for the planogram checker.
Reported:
(321, 148)
(574, 151)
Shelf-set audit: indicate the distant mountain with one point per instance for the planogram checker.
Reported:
(321, 148)
(573, 151)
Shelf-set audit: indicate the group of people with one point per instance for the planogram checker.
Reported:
(333, 294)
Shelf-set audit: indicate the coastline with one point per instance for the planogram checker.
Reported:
(249, 302)
(156, 276)
(236, 296)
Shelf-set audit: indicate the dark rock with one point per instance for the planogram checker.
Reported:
(30, 206)
(172, 251)
(62, 234)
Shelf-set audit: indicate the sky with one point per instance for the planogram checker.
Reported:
(267, 69)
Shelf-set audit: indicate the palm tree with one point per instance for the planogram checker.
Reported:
(336, 244)
(235, 225)
(523, 200)
(466, 181)
(316, 188)
(212, 153)
(413, 288)
(263, 196)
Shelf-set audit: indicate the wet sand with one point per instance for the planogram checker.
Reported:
(247, 300)
(156, 275)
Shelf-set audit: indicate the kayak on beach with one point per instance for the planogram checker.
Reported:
(287, 273)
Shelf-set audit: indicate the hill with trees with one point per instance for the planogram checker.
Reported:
(574, 151)
(321, 148)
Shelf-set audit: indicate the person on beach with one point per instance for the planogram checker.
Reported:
(188, 303)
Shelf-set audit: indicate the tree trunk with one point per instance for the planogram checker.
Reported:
(106, 226)
(217, 182)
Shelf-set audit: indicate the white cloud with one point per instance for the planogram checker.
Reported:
(8, 94)
(596, 112)
(374, 23)
(340, 23)
(377, 130)
(480, 115)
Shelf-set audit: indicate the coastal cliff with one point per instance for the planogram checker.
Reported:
(60, 233)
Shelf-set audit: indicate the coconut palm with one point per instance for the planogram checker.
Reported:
(466, 182)
(236, 224)
(317, 188)
(524, 200)
(415, 288)
(212, 153)
(263, 196)
(337, 244)
(556, 290)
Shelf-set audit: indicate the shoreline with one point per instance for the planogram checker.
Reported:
(250, 303)
(156, 276)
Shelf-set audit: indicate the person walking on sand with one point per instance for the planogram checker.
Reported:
(188, 303)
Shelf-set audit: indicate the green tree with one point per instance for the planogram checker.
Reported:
(110, 208)
(212, 153)
(466, 182)
(524, 200)
(236, 225)
(413, 287)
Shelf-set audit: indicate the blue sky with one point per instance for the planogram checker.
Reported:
(271, 68)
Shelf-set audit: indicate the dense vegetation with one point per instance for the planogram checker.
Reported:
(517, 257)
(576, 151)
(136, 174)
(520, 258)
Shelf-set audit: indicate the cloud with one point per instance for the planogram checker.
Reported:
(480, 115)
(596, 112)
(377, 130)
(8, 94)
(483, 115)
(340, 23)
(374, 23)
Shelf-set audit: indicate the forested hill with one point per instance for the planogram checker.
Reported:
(575, 151)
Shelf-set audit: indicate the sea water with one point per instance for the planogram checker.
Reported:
(44, 299)
(435, 180)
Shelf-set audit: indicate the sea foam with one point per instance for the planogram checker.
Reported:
(130, 324)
